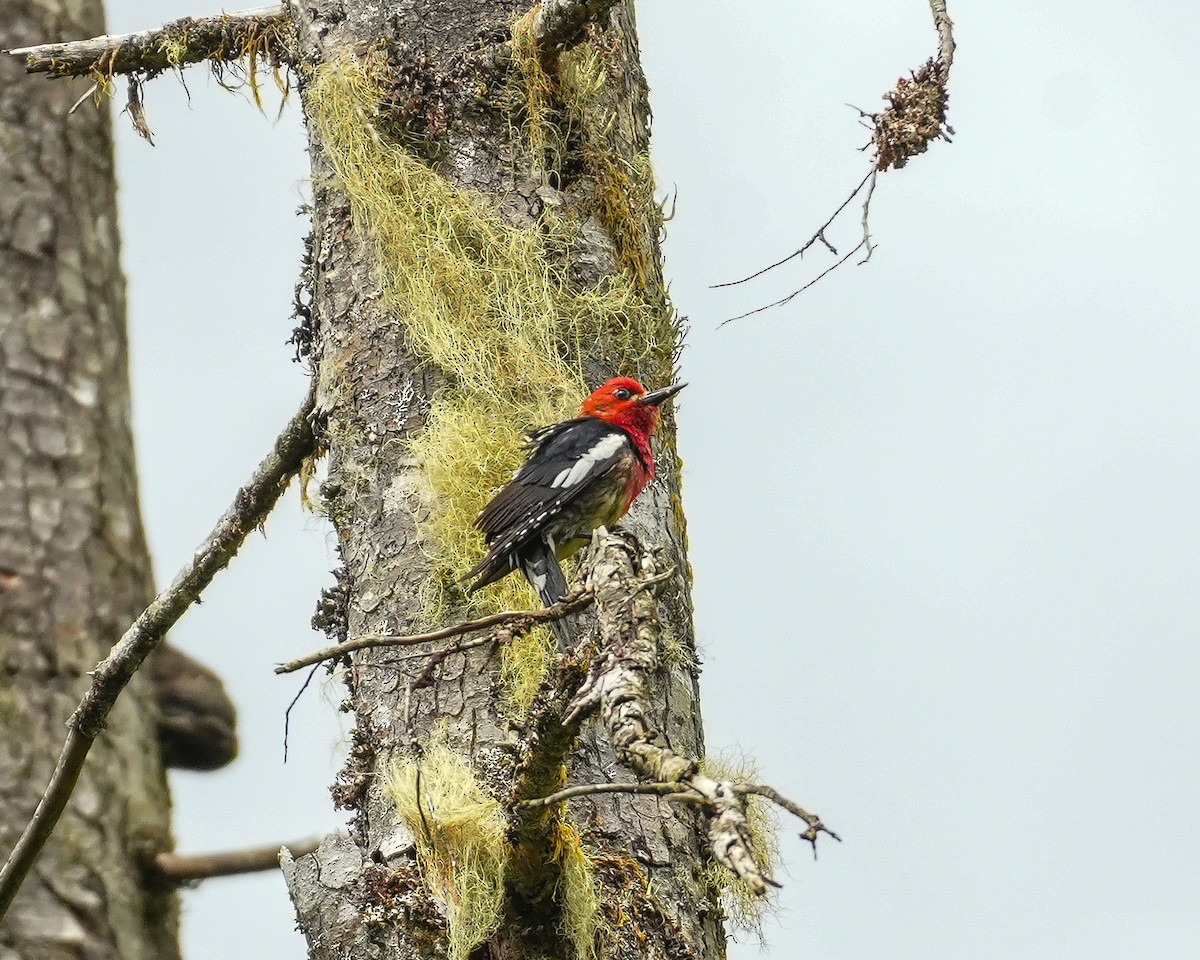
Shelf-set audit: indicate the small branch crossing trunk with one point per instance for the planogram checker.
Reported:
(485, 247)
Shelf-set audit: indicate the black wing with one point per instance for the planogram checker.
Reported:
(567, 458)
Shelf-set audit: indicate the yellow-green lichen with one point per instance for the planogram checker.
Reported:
(461, 838)
(494, 307)
(744, 909)
(574, 110)
(531, 97)
(174, 48)
(623, 190)
(576, 894)
(466, 852)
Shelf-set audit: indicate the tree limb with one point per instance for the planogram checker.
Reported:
(188, 868)
(263, 32)
(519, 620)
(629, 631)
(249, 510)
(685, 793)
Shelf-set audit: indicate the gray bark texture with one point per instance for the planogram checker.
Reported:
(368, 895)
(74, 568)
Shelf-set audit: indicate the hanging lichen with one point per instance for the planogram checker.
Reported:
(461, 837)
(494, 307)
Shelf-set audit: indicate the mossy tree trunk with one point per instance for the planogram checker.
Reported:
(74, 569)
(485, 247)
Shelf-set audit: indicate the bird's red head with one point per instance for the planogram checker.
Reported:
(625, 403)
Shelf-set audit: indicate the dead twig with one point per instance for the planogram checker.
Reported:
(672, 791)
(287, 714)
(190, 868)
(686, 793)
(248, 511)
(517, 619)
(863, 243)
(815, 826)
(818, 236)
(915, 116)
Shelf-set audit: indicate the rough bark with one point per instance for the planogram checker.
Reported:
(74, 569)
(353, 896)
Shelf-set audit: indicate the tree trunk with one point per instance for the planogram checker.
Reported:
(485, 248)
(74, 569)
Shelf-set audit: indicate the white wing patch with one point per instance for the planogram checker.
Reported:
(582, 468)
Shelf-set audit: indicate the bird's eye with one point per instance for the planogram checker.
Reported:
(622, 393)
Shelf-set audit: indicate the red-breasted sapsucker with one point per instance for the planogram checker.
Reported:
(581, 474)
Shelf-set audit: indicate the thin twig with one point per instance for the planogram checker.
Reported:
(686, 793)
(249, 510)
(287, 714)
(863, 243)
(914, 118)
(819, 235)
(866, 218)
(672, 791)
(815, 826)
(561, 609)
(189, 868)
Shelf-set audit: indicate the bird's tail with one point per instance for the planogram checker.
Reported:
(541, 569)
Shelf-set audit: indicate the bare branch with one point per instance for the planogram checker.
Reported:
(945, 29)
(914, 118)
(686, 793)
(265, 33)
(819, 235)
(672, 791)
(249, 510)
(189, 868)
(815, 826)
(864, 243)
(560, 24)
(519, 620)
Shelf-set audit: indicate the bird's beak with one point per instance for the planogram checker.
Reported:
(655, 397)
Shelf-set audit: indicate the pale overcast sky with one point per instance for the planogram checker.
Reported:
(942, 506)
